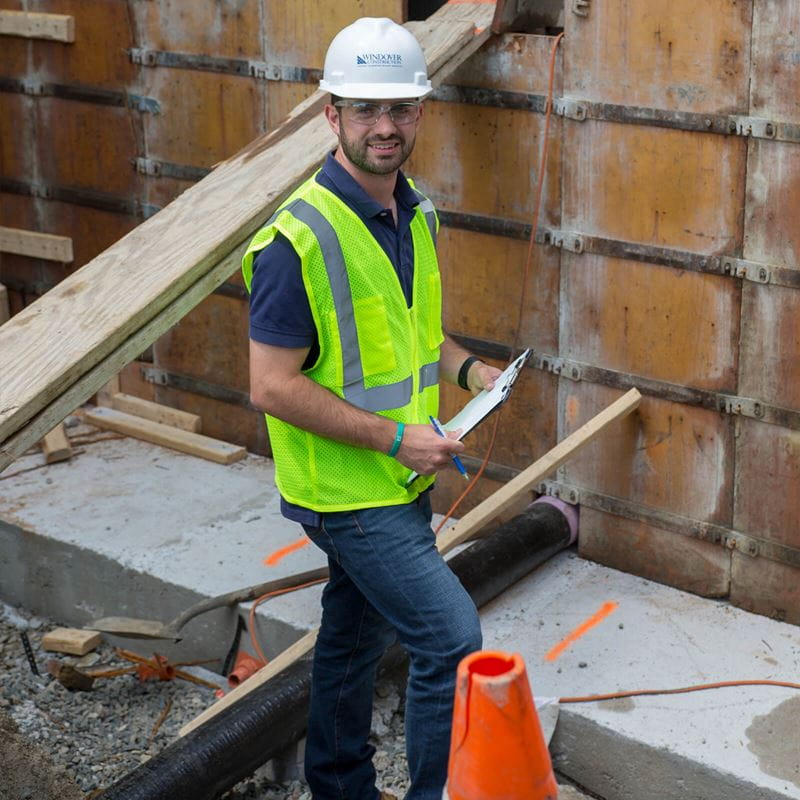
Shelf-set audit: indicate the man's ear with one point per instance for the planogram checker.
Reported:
(332, 115)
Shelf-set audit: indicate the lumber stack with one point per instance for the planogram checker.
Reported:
(59, 351)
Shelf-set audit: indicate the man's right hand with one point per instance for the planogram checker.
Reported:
(425, 452)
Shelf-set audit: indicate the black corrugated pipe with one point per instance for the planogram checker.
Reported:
(232, 745)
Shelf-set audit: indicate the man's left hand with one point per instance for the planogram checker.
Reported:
(481, 376)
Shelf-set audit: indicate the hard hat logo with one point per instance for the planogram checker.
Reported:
(375, 59)
(380, 60)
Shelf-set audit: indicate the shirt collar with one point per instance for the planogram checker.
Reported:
(352, 193)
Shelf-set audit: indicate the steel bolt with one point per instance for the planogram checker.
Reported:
(769, 130)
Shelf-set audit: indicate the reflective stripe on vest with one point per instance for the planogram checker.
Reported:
(426, 207)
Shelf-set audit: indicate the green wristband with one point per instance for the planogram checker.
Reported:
(398, 439)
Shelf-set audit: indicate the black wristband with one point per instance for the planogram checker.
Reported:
(462, 373)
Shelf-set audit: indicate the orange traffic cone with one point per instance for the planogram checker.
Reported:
(497, 749)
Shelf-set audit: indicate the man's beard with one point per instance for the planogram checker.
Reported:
(366, 159)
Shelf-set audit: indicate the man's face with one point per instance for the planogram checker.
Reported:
(383, 146)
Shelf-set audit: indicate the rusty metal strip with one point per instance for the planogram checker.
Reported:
(231, 66)
(493, 226)
(494, 98)
(616, 379)
(80, 197)
(187, 383)
(746, 543)
(83, 94)
(153, 168)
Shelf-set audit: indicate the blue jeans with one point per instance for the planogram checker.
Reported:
(387, 581)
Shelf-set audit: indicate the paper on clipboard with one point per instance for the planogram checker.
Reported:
(484, 403)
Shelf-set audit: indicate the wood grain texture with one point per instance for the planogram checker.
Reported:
(766, 587)
(31, 25)
(767, 503)
(94, 311)
(5, 308)
(56, 445)
(678, 55)
(156, 412)
(681, 327)
(194, 444)
(665, 455)
(35, 244)
(642, 549)
(671, 188)
(74, 641)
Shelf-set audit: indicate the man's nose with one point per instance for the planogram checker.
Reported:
(384, 124)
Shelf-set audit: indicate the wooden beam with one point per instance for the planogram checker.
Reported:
(74, 641)
(5, 308)
(116, 296)
(56, 445)
(56, 27)
(194, 444)
(463, 530)
(156, 412)
(36, 245)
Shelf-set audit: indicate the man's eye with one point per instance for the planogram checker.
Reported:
(366, 111)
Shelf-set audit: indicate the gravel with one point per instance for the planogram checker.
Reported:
(87, 740)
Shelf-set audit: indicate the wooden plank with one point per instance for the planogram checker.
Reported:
(106, 395)
(681, 327)
(679, 55)
(35, 244)
(74, 641)
(678, 189)
(766, 587)
(156, 412)
(121, 291)
(667, 455)
(770, 343)
(642, 549)
(5, 308)
(31, 25)
(466, 527)
(194, 444)
(56, 445)
(775, 78)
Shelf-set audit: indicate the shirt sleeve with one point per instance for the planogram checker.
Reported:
(279, 311)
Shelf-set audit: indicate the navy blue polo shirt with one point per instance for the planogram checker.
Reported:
(279, 311)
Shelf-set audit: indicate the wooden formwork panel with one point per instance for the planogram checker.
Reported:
(775, 71)
(230, 423)
(18, 211)
(282, 97)
(298, 33)
(205, 116)
(225, 28)
(770, 345)
(86, 146)
(772, 234)
(15, 48)
(665, 455)
(655, 554)
(659, 322)
(17, 132)
(209, 343)
(98, 56)
(670, 188)
(767, 500)
(513, 62)
(766, 587)
(676, 55)
(482, 283)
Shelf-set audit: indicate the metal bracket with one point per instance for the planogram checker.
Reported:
(742, 406)
(756, 127)
(146, 58)
(557, 366)
(569, 494)
(155, 375)
(749, 270)
(566, 240)
(570, 108)
(148, 166)
(260, 69)
(581, 8)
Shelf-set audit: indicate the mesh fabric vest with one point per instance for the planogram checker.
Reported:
(374, 351)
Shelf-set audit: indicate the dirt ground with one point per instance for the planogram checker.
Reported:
(27, 771)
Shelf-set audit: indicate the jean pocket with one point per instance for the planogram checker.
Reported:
(322, 539)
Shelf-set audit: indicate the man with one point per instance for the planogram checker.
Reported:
(346, 350)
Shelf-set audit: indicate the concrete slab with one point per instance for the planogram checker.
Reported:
(128, 528)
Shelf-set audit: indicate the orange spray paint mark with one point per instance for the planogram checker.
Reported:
(596, 618)
(273, 558)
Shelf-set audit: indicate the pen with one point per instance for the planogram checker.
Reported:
(437, 426)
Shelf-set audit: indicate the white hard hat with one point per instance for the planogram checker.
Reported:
(376, 59)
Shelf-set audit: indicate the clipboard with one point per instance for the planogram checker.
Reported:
(483, 404)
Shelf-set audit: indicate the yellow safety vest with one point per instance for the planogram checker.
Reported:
(374, 351)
